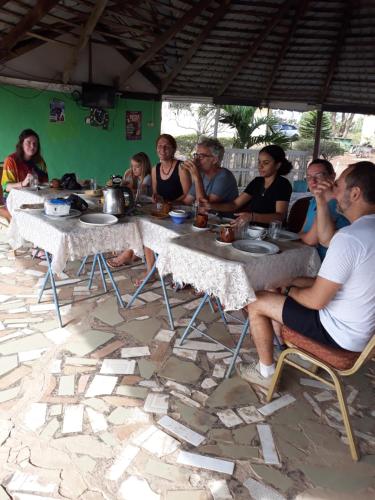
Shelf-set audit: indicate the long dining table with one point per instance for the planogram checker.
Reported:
(190, 256)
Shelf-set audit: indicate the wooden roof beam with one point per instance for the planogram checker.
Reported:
(256, 44)
(219, 13)
(84, 37)
(27, 22)
(161, 41)
(345, 20)
(300, 11)
(147, 73)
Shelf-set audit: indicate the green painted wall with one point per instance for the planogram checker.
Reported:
(73, 146)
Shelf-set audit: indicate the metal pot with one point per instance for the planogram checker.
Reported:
(114, 202)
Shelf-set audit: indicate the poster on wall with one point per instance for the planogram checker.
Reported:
(56, 111)
(133, 125)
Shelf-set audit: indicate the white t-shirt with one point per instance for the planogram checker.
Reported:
(350, 316)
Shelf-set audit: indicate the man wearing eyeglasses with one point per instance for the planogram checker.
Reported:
(210, 181)
(322, 218)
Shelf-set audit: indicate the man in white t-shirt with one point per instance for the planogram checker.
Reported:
(338, 307)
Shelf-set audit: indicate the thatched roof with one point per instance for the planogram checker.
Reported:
(318, 53)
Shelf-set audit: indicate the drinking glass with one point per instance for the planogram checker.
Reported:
(240, 231)
(93, 184)
(33, 182)
(274, 229)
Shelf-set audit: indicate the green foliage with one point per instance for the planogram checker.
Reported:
(328, 149)
(307, 125)
(246, 124)
(186, 143)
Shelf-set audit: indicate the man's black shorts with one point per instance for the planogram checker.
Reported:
(306, 322)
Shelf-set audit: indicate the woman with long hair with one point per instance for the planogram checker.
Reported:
(25, 164)
(266, 197)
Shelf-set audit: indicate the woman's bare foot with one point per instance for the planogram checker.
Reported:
(126, 257)
(139, 281)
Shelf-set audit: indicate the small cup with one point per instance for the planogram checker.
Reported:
(226, 233)
(166, 207)
(274, 229)
(201, 220)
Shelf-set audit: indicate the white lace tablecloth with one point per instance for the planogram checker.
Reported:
(70, 239)
(231, 275)
(156, 234)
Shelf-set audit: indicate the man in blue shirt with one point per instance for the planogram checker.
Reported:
(210, 181)
(322, 219)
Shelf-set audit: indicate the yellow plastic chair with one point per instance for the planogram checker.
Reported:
(336, 363)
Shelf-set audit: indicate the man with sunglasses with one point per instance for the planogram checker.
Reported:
(210, 181)
(322, 218)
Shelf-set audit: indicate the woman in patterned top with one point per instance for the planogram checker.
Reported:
(25, 164)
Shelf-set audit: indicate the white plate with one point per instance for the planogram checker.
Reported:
(98, 219)
(256, 248)
(219, 242)
(196, 228)
(286, 236)
(73, 213)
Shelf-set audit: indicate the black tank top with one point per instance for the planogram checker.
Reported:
(171, 188)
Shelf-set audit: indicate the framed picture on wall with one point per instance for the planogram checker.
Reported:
(56, 111)
(133, 125)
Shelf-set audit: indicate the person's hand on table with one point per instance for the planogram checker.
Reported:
(242, 218)
(205, 204)
(27, 180)
(156, 198)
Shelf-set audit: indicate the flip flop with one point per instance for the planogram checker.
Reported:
(139, 281)
(38, 254)
(112, 265)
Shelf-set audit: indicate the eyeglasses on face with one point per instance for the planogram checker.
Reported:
(316, 177)
(200, 156)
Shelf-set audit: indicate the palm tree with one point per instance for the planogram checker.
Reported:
(242, 118)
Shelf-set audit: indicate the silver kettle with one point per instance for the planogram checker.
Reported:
(114, 202)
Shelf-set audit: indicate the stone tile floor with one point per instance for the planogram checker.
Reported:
(108, 408)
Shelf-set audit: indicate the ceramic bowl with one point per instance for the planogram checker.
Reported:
(178, 216)
(256, 231)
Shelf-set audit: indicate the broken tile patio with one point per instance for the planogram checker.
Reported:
(113, 420)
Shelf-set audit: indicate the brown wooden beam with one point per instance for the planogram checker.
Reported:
(84, 37)
(345, 21)
(255, 45)
(220, 12)
(27, 22)
(300, 11)
(146, 72)
(160, 42)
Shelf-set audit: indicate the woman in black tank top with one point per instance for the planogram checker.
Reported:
(169, 189)
(169, 180)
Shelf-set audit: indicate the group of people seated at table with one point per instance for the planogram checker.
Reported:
(336, 308)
